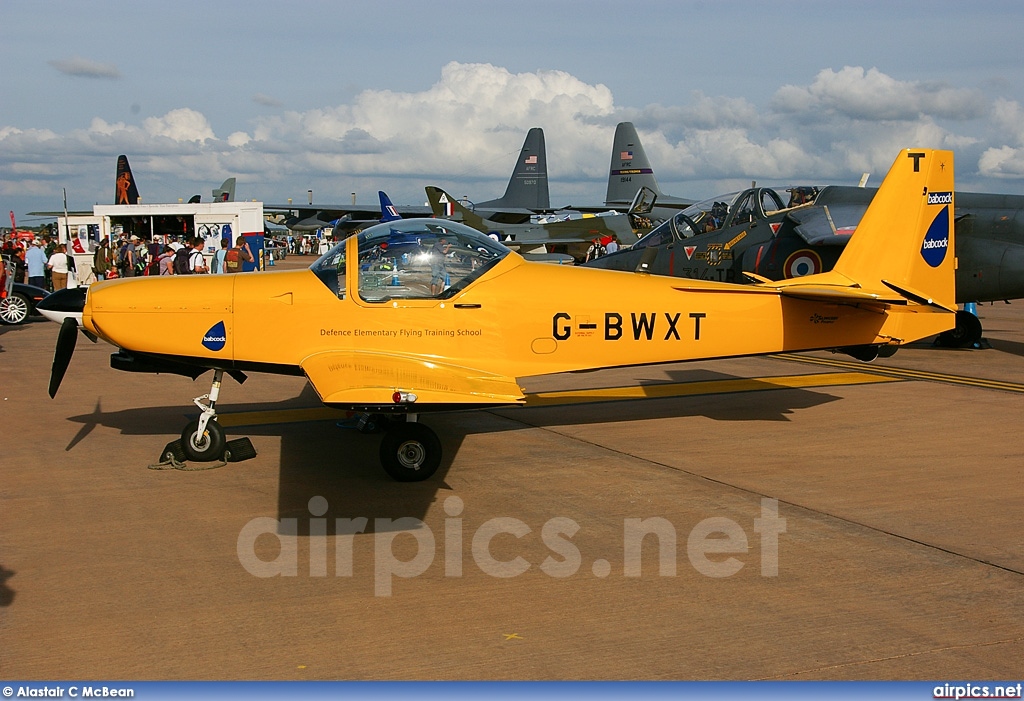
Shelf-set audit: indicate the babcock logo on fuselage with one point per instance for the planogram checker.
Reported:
(216, 337)
(936, 241)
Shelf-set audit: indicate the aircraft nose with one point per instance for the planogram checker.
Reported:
(62, 304)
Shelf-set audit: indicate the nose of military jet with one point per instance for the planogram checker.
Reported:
(63, 304)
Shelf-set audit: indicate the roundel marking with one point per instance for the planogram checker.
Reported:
(802, 262)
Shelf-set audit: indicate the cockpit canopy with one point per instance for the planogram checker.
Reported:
(411, 259)
(732, 209)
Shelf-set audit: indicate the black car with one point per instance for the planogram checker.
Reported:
(17, 300)
(20, 303)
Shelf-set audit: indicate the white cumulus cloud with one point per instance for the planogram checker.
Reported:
(464, 131)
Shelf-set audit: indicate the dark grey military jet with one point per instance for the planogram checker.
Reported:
(760, 231)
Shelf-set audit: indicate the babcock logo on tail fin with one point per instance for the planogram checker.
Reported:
(216, 337)
(936, 241)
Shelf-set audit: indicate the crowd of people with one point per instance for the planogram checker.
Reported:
(46, 263)
(42, 262)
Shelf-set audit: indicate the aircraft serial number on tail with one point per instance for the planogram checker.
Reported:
(640, 326)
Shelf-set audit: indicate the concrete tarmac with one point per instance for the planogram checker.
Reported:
(819, 522)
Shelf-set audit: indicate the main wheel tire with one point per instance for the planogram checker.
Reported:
(207, 447)
(14, 308)
(410, 452)
(965, 334)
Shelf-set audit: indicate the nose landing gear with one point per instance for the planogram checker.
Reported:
(203, 439)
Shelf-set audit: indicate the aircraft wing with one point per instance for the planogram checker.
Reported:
(303, 217)
(354, 379)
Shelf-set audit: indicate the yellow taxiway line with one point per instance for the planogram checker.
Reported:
(903, 373)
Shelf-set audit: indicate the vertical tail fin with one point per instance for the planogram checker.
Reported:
(387, 210)
(903, 244)
(125, 191)
(629, 170)
(444, 205)
(226, 191)
(919, 265)
(528, 186)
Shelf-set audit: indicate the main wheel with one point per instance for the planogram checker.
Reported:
(204, 448)
(965, 334)
(410, 452)
(14, 308)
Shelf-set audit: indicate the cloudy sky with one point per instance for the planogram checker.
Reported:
(344, 97)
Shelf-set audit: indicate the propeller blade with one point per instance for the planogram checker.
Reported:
(66, 340)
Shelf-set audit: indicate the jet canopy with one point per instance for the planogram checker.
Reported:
(411, 259)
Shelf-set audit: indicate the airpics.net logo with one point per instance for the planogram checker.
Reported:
(499, 547)
(216, 338)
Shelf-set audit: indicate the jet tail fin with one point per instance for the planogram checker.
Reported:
(387, 210)
(125, 191)
(444, 205)
(902, 251)
(528, 186)
(629, 170)
(226, 191)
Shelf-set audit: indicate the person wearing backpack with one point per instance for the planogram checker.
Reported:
(180, 264)
(238, 255)
(196, 259)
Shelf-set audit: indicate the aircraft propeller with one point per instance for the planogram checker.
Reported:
(65, 306)
(66, 340)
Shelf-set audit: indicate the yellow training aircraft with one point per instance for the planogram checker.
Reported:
(417, 315)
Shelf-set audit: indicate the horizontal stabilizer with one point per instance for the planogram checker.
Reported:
(917, 297)
(840, 294)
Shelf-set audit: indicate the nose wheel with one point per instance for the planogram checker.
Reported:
(203, 445)
(410, 451)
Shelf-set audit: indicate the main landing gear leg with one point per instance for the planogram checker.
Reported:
(410, 451)
(203, 439)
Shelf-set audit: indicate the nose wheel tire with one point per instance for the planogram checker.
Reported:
(206, 447)
(410, 452)
(14, 308)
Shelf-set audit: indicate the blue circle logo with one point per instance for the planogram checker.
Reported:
(936, 241)
(216, 338)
